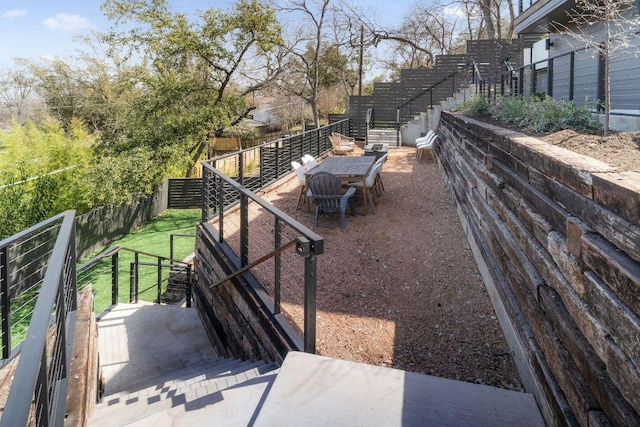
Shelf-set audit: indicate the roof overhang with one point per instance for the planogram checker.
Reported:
(538, 17)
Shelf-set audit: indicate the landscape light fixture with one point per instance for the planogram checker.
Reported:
(636, 10)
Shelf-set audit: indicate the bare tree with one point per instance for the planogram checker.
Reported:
(16, 94)
(620, 27)
(306, 48)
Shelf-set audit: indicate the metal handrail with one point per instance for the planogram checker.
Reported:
(40, 377)
(5, 285)
(476, 72)
(430, 88)
(134, 291)
(308, 244)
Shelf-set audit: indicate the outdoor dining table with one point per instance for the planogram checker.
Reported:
(349, 169)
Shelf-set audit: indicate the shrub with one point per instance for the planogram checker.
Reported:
(538, 114)
(509, 110)
(474, 105)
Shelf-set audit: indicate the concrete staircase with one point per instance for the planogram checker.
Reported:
(385, 136)
(428, 120)
(159, 370)
(221, 392)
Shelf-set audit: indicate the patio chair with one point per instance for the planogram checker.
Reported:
(379, 186)
(344, 138)
(302, 181)
(309, 161)
(368, 186)
(425, 138)
(327, 193)
(342, 144)
(426, 146)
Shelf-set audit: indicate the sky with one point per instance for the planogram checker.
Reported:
(46, 28)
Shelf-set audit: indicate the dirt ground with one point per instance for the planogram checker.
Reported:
(619, 149)
(401, 288)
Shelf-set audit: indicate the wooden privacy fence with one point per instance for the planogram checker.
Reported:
(185, 193)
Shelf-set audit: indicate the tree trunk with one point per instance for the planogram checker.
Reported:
(485, 7)
(194, 158)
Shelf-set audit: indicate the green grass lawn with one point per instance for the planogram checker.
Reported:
(153, 238)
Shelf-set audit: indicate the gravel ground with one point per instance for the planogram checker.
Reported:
(400, 287)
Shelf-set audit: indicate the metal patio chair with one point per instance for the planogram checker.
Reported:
(327, 193)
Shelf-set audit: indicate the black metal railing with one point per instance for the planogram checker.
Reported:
(23, 262)
(150, 277)
(259, 166)
(558, 76)
(479, 81)
(428, 97)
(265, 245)
(39, 388)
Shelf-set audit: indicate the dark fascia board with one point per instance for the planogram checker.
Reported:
(538, 17)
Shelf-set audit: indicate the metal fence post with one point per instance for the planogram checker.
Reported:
(550, 77)
(136, 282)
(221, 210)
(277, 267)
(189, 284)
(42, 398)
(159, 280)
(277, 160)
(244, 230)
(6, 301)
(310, 265)
(240, 168)
(114, 278)
(303, 248)
(261, 155)
(132, 281)
(572, 62)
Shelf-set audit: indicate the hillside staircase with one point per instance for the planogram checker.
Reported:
(385, 136)
(487, 67)
(160, 370)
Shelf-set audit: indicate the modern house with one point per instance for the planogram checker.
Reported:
(563, 67)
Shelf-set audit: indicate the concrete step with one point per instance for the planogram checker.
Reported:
(313, 390)
(133, 341)
(385, 136)
(185, 377)
(186, 400)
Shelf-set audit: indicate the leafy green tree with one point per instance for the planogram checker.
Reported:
(194, 85)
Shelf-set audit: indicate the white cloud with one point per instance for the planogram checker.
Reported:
(14, 13)
(67, 22)
(456, 11)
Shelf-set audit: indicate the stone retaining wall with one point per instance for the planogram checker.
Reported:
(557, 238)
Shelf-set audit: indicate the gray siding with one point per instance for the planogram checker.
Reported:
(562, 77)
(625, 72)
(585, 78)
(625, 82)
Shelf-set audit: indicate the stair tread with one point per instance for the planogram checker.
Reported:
(217, 369)
(192, 397)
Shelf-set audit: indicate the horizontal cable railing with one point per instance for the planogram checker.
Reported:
(39, 388)
(24, 258)
(270, 251)
(151, 278)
